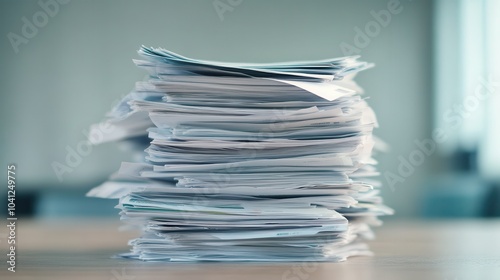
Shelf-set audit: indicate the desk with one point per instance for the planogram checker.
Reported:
(450, 250)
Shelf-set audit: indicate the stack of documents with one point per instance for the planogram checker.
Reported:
(246, 162)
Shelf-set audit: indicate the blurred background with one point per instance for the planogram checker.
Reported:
(435, 87)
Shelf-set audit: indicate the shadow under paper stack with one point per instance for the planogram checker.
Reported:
(247, 162)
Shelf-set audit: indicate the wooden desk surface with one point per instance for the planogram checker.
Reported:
(446, 250)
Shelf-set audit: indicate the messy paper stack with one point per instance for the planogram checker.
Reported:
(246, 162)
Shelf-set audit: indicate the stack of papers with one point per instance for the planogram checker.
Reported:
(246, 162)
